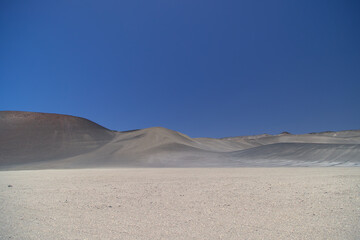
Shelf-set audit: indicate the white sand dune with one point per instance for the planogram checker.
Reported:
(39, 141)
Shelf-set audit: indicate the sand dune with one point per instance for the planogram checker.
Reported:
(40, 140)
(304, 154)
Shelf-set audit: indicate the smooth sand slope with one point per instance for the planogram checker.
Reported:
(226, 203)
(39, 141)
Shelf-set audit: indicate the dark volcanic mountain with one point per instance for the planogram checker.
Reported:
(27, 137)
(41, 140)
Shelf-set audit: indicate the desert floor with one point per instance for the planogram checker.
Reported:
(221, 203)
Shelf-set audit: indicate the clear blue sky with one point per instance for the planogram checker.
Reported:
(204, 68)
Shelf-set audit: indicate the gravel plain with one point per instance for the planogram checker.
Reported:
(182, 203)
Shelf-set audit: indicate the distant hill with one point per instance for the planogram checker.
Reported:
(31, 140)
(27, 137)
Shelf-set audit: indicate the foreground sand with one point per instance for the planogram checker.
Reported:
(240, 203)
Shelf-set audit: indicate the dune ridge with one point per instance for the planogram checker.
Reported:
(31, 140)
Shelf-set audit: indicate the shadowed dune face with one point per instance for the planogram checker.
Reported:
(27, 136)
(40, 140)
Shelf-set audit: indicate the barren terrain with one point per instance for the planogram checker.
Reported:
(226, 203)
(32, 141)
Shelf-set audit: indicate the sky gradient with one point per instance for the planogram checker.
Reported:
(204, 68)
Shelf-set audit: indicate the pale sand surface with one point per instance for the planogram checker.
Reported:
(235, 203)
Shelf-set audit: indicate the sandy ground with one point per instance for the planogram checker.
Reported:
(237, 203)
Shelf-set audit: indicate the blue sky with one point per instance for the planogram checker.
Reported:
(204, 68)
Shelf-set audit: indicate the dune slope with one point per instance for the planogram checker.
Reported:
(41, 140)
